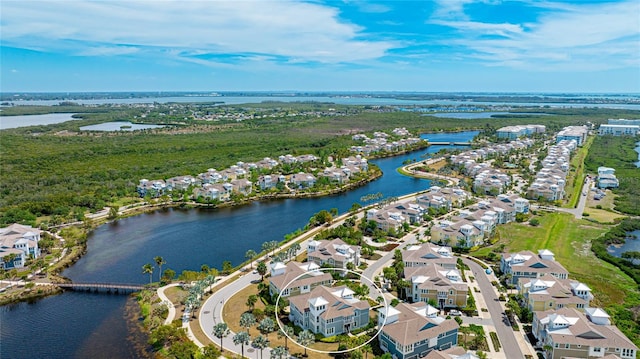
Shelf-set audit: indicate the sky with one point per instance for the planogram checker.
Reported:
(577, 46)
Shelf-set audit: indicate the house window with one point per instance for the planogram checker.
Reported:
(330, 330)
(567, 345)
(451, 292)
(450, 301)
(628, 353)
(556, 345)
(597, 350)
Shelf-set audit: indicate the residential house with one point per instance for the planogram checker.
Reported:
(426, 254)
(296, 278)
(432, 283)
(387, 219)
(549, 292)
(242, 186)
(20, 241)
(216, 191)
(526, 264)
(414, 330)
(462, 233)
(569, 333)
(303, 180)
(335, 253)
(329, 311)
(607, 178)
(180, 183)
(153, 188)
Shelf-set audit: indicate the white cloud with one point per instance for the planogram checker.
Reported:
(282, 28)
(585, 37)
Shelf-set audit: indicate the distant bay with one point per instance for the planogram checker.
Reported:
(7, 122)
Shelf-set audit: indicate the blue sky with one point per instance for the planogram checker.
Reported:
(347, 45)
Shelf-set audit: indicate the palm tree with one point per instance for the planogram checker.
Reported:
(294, 249)
(306, 338)
(9, 258)
(241, 339)
(260, 342)
(286, 332)
(279, 353)
(159, 261)
(251, 301)
(247, 320)
(367, 349)
(148, 269)
(266, 326)
(250, 255)
(262, 269)
(220, 331)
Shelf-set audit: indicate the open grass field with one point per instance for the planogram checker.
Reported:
(576, 176)
(603, 216)
(570, 240)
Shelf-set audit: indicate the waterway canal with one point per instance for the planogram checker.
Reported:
(83, 325)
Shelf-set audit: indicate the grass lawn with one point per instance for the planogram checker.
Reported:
(603, 216)
(235, 306)
(576, 175)
(570, 240)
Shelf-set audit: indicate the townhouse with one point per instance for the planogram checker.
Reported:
(550, 181)
(414, 330)
(20, 242)
(329, 311)
(434, 284)
(296, 278)
(549, 292)
(569, 333)
(427, 254)
(526, 264)
(334, 253)
(302, 180)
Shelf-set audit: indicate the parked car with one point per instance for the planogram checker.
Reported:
(455, 313)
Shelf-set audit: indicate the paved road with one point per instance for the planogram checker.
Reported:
(503, 328)
(211, 314)
(376, 266)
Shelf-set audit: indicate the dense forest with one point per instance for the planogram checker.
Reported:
(60, 170)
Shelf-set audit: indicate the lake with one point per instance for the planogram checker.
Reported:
(629, 245)
(480, 115)
(85, 325)
(7, 122)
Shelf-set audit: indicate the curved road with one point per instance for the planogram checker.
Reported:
(503, 328)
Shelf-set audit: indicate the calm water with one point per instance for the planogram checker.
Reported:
(95, 325)
(480, 115)
(628, 246)
(118, 126)
(33, 120)
(234, 100)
